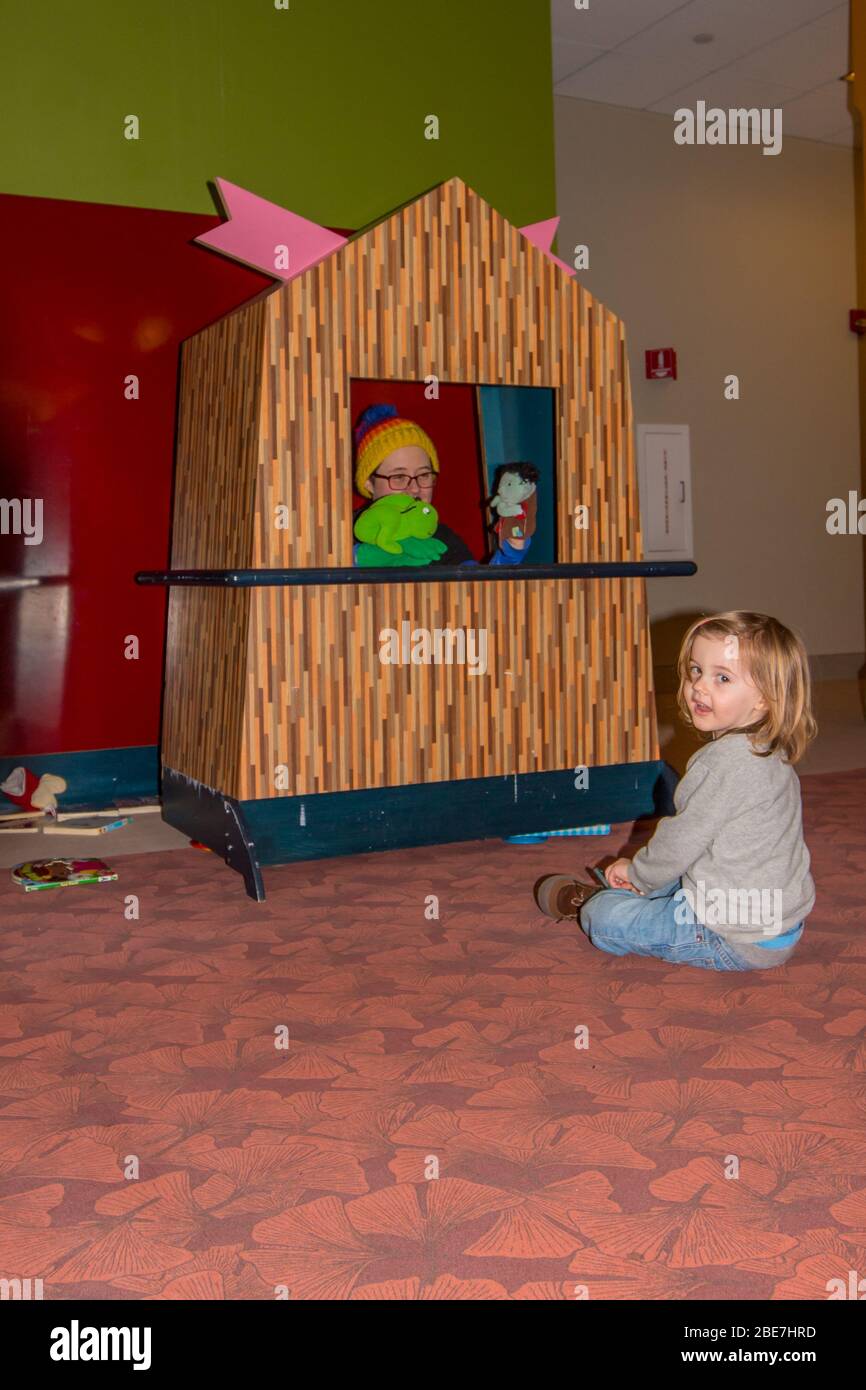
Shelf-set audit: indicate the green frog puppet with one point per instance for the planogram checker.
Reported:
(398, 530)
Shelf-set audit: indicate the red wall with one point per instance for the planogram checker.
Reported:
(95, 293)
(98, 293)
(452, 424)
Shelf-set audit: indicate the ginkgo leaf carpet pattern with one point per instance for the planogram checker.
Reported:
(338, 1094)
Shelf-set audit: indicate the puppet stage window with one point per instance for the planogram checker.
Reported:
(473, 431)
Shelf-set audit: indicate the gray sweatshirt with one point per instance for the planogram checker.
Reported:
(736, 842)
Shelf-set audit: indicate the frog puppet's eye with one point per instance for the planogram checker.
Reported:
(425, 510)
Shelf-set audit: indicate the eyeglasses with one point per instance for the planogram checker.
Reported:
(398, 482)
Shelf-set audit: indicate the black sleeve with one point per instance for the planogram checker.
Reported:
(458, 551)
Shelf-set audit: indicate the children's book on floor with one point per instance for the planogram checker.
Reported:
(132, 806)
(22, 824)
(61, 873)
(12, 819)
(86, 825)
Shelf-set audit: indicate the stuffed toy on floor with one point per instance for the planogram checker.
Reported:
(33, 793)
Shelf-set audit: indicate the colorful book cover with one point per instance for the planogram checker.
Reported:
(61, 873)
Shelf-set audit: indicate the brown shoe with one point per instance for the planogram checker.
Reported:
(561, 897)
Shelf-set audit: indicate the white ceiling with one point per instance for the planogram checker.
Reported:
(642, 53)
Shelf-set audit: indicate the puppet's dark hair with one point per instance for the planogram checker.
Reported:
(526, 471)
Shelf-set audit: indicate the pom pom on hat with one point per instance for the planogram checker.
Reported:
(378, 432)
(373, 415)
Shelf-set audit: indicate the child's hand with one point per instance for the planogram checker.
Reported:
(617, 875)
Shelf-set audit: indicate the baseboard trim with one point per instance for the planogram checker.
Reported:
(95, 775)
(838, 666)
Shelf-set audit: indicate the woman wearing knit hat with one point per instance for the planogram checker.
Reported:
(393, 454)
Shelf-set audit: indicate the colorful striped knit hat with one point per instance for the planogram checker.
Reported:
(379, 431)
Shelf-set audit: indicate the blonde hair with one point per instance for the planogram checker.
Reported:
(776, 662)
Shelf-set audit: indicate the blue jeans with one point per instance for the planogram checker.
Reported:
(624, 924)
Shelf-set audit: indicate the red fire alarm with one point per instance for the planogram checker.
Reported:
(661, 363)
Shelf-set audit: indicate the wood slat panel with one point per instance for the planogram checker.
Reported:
(206, 684)
(218, 447)
(566, 681)
(450, 289)
(445, 287)
(219, 435)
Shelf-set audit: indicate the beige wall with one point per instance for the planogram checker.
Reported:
(745, 264)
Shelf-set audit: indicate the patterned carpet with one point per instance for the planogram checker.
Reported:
(419, 1046)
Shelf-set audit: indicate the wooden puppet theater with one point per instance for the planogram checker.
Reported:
(285, 737)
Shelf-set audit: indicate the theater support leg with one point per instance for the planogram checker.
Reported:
(217, 821)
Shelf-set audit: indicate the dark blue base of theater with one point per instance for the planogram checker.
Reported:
(279, 830)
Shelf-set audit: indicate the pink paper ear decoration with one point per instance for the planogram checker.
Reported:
(267, 237)
(541, 234)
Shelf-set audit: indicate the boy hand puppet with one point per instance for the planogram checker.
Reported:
(513, 504)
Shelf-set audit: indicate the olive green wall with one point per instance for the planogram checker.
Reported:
(320, 106)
